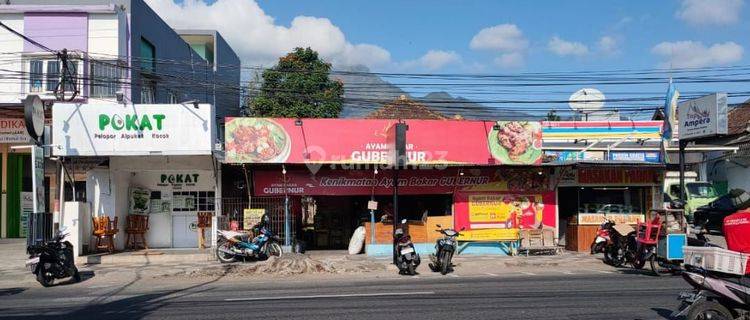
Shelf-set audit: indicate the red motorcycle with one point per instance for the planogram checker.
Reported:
(603, 237)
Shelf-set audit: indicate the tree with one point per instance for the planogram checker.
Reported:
(552, 116)
(298, 86)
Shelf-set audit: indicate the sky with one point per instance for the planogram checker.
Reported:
(485, 37)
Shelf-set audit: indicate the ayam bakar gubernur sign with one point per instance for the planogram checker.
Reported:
(116, 129)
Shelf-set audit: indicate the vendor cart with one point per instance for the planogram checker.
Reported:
(661, 239)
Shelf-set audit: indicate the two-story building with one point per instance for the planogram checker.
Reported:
(119, 51)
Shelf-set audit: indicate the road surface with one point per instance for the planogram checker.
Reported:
(620, 294)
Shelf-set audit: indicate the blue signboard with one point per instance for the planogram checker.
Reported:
(643, 156)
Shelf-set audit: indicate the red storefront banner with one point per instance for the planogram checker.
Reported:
(617, 176)
(365, 141)
(340, 182)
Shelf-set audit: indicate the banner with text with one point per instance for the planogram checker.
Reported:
(117, 129)
(364, 141)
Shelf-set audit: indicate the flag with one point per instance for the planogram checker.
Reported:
(670, 111)
(670, 118)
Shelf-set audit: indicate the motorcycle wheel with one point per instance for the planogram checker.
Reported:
(638, 262)
(44, 280)
(273, 250)
(222, 256)
(597, 247)
(445, 263)
(654, 265)
(706, 310)
(411, 270)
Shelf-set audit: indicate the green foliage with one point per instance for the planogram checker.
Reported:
(298, 87)
(552, 116)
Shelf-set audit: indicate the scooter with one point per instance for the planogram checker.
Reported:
(407, 259)
(444, 250)
(233, 245)
(53, 260)
(714, 296)
(602, 237)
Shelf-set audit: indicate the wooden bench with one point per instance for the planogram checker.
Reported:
(539, 241)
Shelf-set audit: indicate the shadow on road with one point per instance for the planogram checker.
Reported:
(134, 307)
(11, 291)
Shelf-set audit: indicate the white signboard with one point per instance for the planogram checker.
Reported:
(141, 129)
(703, 117)
(14, 131)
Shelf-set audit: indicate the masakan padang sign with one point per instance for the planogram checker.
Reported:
(703, 117)
(115, 129)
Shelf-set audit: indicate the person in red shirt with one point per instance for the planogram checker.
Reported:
(737, 233)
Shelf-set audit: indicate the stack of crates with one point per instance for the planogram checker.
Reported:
(716, 259)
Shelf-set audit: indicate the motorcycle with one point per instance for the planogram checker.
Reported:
(602, 237)
(53, 260)
(407, 258)
(233, 245)
(444, 249)
(714, 296)
(618, 249)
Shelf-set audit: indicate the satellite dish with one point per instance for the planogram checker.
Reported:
(586, 100)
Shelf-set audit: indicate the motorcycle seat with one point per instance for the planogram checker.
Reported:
(232, 234)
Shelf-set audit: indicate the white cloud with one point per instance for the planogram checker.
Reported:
(502, 37)
(608, 45)
(694, 54)
(510, 60)
(710, 12)
(506, 40)
(258, 40)
(433, 60)
(567, 48)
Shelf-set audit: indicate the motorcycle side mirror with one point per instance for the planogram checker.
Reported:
(439, 226)
(463, 228)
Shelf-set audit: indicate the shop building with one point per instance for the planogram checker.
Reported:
(606, 169)
(461, 173)
(154, 160)
(115, 47)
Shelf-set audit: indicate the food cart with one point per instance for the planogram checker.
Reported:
(661, 240)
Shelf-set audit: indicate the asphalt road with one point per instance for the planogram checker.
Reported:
(564, 296)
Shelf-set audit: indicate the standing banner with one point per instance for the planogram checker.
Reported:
(27, 209)
(501, 215)
(37, 154)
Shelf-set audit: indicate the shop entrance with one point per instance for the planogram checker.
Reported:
(328, 222)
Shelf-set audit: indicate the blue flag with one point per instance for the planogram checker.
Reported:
(670, 111)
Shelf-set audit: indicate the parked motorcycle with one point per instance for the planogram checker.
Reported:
(407, 258)
(233, 245)
(714, 296)
(618, 249)
(53, 260)
(444, 250)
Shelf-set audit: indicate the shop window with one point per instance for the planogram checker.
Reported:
(80, 191)
(36, 74)
(53, 75)
(189, 201)
(148, 56)
(148, 91)
(105, 78)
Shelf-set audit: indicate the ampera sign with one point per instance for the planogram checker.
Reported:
(703, 117)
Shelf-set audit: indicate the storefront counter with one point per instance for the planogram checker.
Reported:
(420, 232)
(581, 230)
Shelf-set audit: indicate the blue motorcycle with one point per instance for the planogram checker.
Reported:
(234, 245)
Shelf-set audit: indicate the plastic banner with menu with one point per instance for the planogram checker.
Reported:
(501, 215)
(365, 141)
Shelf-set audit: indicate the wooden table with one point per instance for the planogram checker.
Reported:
(420, 232)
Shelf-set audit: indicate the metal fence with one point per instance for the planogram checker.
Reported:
(232, 210)
(40, 228)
